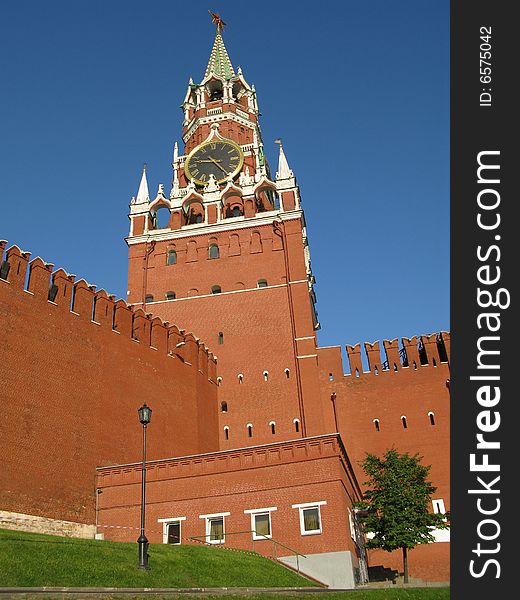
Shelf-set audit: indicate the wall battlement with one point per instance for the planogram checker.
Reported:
(413, 353)
(102, 309)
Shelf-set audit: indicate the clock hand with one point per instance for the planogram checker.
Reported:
(221, 168)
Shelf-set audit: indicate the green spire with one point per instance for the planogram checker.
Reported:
(219, 62)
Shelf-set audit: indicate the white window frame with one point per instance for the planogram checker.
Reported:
(261, 511)
(301, 508)
(351, 525)
(167, 522)
(438, 506)
(208, 518)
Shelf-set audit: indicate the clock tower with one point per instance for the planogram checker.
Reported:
(225, 254)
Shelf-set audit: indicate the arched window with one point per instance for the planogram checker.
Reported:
(240, 378)
(219, 380)
(266, 375)
(171, 257)
(162, 217)
(287, 373)
(170, 296)
(296, 425)
(272, 424)
(432, 418)
(223, 407)
(249, 430)
(148, 298)
(216, 289)
(220, 337)
(376, 424)
(236, 212)
(213, 251)
(226, 432)
(403, 421)
(262, 283)
(331, 378)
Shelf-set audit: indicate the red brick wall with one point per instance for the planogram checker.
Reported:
(278, 475)
(259, 325)
(70, 389)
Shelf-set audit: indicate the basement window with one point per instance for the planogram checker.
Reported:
(215, 528)
(261, 522)
(148, 298)
(170, 296)
(310, 517)
(216, 289)
(172, 530)
(262, 283)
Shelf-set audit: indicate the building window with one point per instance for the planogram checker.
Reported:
(223, 407)
(172, 530)
(226, 432)
(240, 378)
(220, 337)
(296, 425)
(216, 289)
(262, 283)
(287, 373)
(266, 375)
(148, 298)
(219, 380)
(249, 430)
(170, 296)
(272, 425)
(432, 418)
(376, 424)
(236, 211)
(215, 527)
(438, 506)
(213, 251)
(310, 517)
(261, 522)
(403, 421)
(171, 257)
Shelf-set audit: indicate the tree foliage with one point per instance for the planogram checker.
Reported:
(396, 506)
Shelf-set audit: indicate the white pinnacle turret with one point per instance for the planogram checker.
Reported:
(143, 195)
(284, 172)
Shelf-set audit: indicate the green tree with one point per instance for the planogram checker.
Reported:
(396, 505)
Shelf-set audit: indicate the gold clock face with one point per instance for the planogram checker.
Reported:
(221, 158)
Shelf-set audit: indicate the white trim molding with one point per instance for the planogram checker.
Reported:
(301, 508)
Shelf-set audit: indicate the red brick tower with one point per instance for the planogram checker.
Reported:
(226, 256)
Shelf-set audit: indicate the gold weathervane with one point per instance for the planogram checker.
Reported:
(216, 20)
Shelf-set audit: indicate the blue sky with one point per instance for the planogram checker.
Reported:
(357, 90)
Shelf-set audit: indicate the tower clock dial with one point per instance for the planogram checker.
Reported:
(221, 158)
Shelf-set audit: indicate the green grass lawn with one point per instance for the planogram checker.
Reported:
(33, 560)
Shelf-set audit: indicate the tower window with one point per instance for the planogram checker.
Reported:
(240, 378)
(148, 298)
(220, 337)
(213, 251)
(171, 257)
(170, 296)
(273, 427)
(432, 418)
(403, 421)
(296, 425)
(219, 380)
(216, 289)
(287, 373)
(376, 424)
(266, 375)
(226, 432)
(262, 283)
(236, 211)
(223, 407)
(331, 378)
(249, 430)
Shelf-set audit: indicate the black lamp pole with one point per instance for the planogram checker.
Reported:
(145, 414)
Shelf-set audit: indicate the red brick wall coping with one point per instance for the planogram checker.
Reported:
(298, 450)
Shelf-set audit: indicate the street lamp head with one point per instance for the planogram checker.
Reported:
(145, 414)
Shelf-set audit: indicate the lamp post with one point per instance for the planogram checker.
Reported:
(145, 414)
